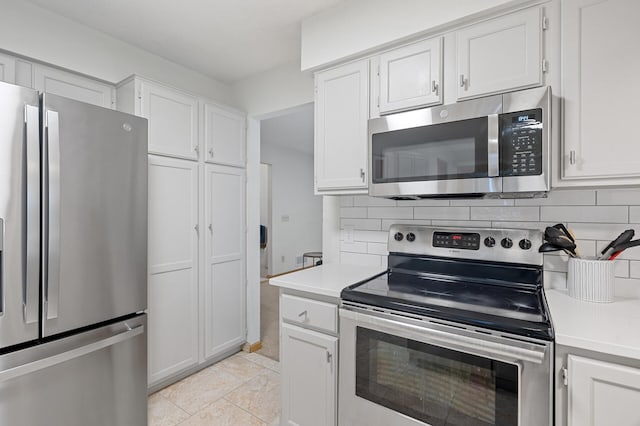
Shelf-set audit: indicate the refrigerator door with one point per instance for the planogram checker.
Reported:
(94, 214)
(19, 214)
(95, 378)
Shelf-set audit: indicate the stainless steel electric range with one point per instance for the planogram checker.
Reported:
(456, 332)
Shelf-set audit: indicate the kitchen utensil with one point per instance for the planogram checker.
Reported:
(566, 231)
(559, 239)
(617, 249)
(624, 237)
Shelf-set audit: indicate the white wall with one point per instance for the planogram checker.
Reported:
(595, 216)
(292, 196)
(36, 33)
(358, 26)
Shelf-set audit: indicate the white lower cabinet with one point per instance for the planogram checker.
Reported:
(225, 283)
(173, 267)
(309, 361)
(309, 377)
(602, 393)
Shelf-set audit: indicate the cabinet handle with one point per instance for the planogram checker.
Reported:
(329, 356)
(463, 81)
(210, 152)
(434, 87)
(572, 157)
(302, 314)
(196, 228)
(197, 150)
(210, 228)
(362, 175)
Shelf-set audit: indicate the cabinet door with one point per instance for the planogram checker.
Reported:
(500, 55)
(7, 69)
(599, 79)
(342, 111)
(410, 76)
(225, 277)
(173, 267)
(224, 136)
(72, 86)
(602, 393)
(173, 118)
(309, 377)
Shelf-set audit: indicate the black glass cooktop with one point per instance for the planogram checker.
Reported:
(498, 296)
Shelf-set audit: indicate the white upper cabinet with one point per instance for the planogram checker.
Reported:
(601, 91)
(7, 68)
(500, 54)
(342, 111)
(224, 135)
(602, 393)
(73, 86)
(410, 76)
(173, 121)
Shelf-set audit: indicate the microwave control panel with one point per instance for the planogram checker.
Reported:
(521, 143)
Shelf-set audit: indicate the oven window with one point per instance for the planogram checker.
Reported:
(442, 151)
(435, 385)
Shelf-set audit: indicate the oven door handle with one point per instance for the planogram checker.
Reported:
(449, 337)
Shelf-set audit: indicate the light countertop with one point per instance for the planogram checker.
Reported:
(327, 279)
(612, 328)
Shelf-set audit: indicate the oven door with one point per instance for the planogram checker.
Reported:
(444, 150)
(400, 371)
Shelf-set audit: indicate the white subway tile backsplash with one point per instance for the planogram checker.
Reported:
(346, 201)
(482, 202)
(618, 197)
(555, 280)
(462, 223)
(362, 224)
(634, 214)
(354, 247)
(627, 287)
(366, 201)
(634, 269)
(599, 231)
(442, 213)
(353, 212)
(609, 214)
(377, 248)
(506, 213)
(390, 212)
(622, 268)
(386, 223)
(632, 253)
(522, 225)
(555, 263)
(371, 236)
(559, 197)
(423, 203)
(363, 259)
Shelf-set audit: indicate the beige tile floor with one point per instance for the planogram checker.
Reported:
(269, 321)
(243, 389)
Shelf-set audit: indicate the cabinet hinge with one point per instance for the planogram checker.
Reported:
(565, 376)
(545, 23)
(545, 65)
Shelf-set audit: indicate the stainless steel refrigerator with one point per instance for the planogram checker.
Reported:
(73, 262)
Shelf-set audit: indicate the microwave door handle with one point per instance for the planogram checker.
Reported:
(493, 146)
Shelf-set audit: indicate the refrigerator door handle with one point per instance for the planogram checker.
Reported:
(32, 280)
(52, 215)
(41, 364)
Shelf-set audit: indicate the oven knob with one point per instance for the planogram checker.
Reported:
(398, 236)
(506, 243)
(411, 237)
(525, 244)
(489, 242)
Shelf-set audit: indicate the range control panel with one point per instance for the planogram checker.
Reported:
(500, 245)
(465, 241)
(521, 143)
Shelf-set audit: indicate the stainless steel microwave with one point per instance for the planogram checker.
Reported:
(497, 146)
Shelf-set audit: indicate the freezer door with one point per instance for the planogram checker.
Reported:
(94, 214)
(19, 214)
(95, 378)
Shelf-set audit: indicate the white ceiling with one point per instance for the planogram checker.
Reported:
(293, 130)
(227, 40)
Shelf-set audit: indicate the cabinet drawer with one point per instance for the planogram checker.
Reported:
(309, 313)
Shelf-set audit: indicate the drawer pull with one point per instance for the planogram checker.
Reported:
(302, 314)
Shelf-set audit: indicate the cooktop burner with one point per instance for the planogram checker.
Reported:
(484, 292)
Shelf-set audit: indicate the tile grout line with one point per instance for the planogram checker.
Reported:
(246, 411)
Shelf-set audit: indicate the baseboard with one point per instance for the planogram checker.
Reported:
(252, 347)
(288, 272)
